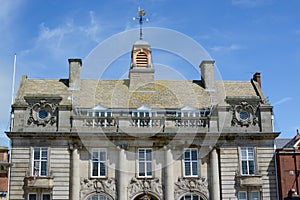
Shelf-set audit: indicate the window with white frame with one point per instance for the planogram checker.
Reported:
(99, 118)
(190, 162)
(143, 115)
(98, 163)
(254, 195)
(34, 196)
(40, 162)
(99, 197)
(189, 117)
(247, 160)
(145, 162)
(191, 197)
(242, 195)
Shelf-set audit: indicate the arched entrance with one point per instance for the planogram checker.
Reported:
(145, 197)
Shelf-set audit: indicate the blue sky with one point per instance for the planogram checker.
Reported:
(242, 36)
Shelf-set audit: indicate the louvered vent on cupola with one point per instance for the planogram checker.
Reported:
(141, 59)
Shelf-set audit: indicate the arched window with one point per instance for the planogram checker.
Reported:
(141, 59)
(191, 197)
(99, 197)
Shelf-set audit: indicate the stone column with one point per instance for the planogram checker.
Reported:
(168, 175)
(122, 185)
(75, 177)
(215, 181)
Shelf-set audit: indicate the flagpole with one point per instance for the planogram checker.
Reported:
(13, 92)
(11, 120)
(13, 82)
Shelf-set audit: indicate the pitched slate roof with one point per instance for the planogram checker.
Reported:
(168, 94)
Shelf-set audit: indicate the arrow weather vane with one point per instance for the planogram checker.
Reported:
(141, 13)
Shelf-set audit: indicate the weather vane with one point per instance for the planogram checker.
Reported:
(141, 18)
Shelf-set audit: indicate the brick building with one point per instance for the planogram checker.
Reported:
(4, 170)
(288, 168)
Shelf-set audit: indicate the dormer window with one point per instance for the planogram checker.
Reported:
(142, 117)
(99, 116)
(191, 117)
(141, 59)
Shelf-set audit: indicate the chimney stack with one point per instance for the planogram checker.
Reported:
(74, 73)
(207, 74)
(257, 78)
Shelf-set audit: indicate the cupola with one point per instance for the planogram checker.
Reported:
(141, 73)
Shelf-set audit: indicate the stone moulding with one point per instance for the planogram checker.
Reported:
(152, 186)
(43, 109)
(187, 185)
(105, 186)
(249, 118)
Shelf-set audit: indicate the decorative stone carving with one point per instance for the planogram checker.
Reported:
(244, 114)
(146, 186)
(42, 113)
(199, 185)
(107, 186)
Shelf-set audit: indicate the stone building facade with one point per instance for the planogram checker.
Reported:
(141, 138)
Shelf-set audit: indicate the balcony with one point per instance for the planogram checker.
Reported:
(142, 122)
(249, 181)
(38, 182)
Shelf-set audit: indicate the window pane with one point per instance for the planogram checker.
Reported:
(44, 168)
(32, 197)
(196, 197)
(149, 155)
(102, 169)
(46, 197)
(255, 195)
(244, 167)
(141, 154)
(244, 153)
(36, 154)
(95, 156)
(251, 167)
(242, 195)
(187, 168)
(95, 169)
(141, 169)
(194, 155)
(187, 155)
(195, 168)
(102, 156)
(149, 168)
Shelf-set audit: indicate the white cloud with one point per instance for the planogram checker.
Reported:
(93, 29)
(52, 42)
(232, 47)
(281, 101)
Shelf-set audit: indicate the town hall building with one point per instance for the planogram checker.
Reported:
(142, 138)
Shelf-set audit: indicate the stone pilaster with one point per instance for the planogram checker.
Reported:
(122, 185)
(168, 175)
(75, 176)
(215, 181)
